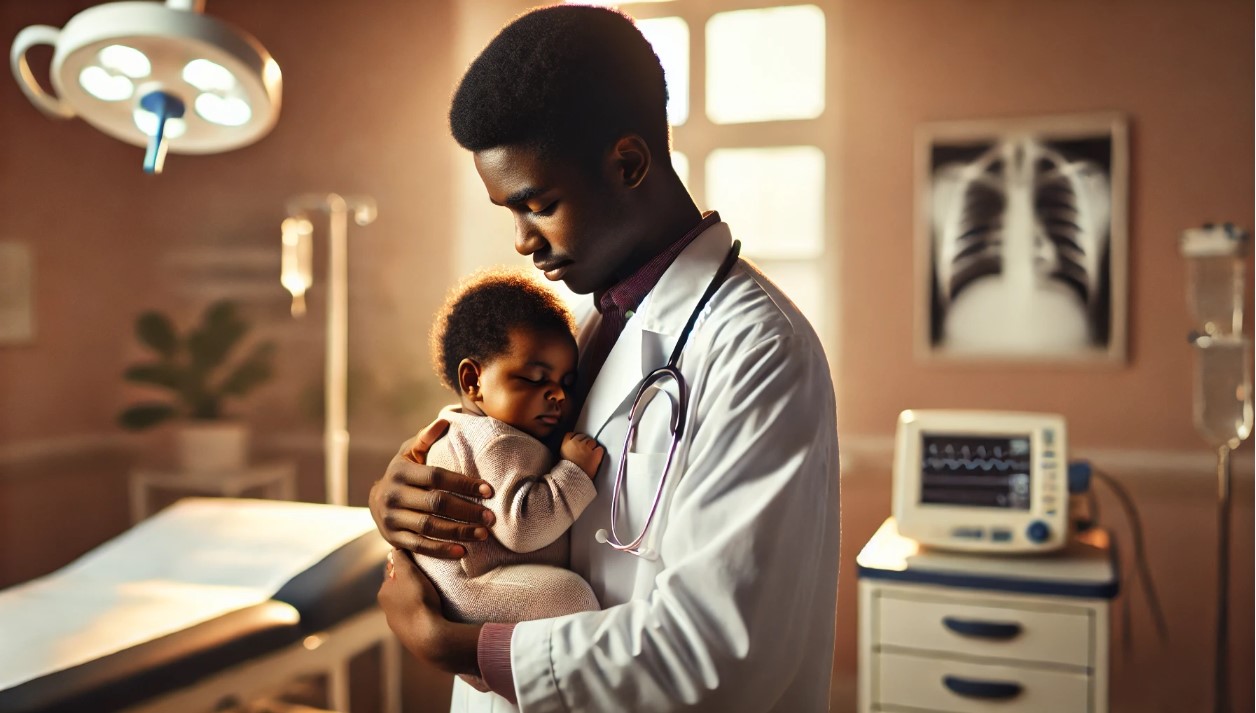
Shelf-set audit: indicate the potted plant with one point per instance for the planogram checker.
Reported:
(197, 369)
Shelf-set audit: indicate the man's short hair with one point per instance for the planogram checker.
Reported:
(478, 315)
(565, 80)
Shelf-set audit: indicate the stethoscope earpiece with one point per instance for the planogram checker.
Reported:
(601, 536)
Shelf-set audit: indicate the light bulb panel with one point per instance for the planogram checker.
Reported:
(189, 55)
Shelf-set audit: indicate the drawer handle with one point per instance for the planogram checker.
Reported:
(982, 629)
(990, 690)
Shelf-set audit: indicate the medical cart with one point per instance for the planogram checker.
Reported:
(950, 632)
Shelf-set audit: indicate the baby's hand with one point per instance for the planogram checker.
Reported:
(583, 451)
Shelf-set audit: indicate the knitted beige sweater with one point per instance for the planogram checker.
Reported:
(519, 573)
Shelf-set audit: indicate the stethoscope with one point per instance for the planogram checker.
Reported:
(659, 379)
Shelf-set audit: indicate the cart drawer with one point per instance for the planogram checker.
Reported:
(985, 627)
(950, 686)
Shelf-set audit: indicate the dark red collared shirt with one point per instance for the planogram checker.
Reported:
(616, 305)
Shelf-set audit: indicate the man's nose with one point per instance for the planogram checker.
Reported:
(527, 241)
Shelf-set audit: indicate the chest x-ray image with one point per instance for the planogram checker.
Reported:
(1023, 234)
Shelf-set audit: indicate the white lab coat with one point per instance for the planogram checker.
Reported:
(737, 614)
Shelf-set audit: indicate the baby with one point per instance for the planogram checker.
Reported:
(504, 343)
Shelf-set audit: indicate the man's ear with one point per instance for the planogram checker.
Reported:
(631, 160)
(469, 379)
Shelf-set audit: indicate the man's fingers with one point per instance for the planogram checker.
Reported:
(405, 504)
(426, 525)
(425, 439)
(431, 548)
(430, 477)
(449, 481)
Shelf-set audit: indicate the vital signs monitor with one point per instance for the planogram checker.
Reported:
(982, 480)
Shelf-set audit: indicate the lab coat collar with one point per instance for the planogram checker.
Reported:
(650, 334)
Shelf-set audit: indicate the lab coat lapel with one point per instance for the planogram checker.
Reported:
(616, 382)
(649, 336)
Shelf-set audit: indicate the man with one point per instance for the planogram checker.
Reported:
(721, 593)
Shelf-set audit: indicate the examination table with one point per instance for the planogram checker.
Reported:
(207, 605)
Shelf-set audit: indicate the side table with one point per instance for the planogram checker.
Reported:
(277, 479)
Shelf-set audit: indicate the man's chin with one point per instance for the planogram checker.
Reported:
(579, 284)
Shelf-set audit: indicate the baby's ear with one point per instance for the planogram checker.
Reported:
(469, 379)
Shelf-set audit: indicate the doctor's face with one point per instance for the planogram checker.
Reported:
(571, 220)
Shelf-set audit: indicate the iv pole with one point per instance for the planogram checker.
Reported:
(297, 277)
(1223, 416)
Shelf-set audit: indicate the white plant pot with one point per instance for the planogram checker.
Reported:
(209, 446)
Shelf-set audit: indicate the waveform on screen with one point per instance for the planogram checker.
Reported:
(1002, 465)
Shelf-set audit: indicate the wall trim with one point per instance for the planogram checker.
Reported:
(860, 454)
(26, 452)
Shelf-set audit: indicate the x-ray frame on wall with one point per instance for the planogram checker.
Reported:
(1021, 239)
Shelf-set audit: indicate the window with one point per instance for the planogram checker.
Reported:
(750, 107)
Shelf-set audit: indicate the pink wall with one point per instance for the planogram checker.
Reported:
(1180, 71)
(366, 90)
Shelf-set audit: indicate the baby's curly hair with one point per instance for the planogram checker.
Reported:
(478, 314)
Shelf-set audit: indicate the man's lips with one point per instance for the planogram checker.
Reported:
(555, 269)
(550, 419)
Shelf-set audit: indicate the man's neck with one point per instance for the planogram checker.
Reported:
(678, 217)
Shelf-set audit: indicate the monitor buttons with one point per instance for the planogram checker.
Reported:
(1038, 532)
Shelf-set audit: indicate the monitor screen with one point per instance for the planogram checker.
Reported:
(975, 471)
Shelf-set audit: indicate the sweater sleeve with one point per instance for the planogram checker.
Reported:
(533, 507)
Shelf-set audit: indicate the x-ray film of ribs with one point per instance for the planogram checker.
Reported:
(1024, 214)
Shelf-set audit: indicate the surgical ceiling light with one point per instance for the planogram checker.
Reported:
(163, 76)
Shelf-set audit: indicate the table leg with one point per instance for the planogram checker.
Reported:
(139, 499)
(338, 686)
(390, 676)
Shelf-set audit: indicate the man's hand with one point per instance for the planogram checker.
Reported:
(414, 508)
(583, 451)
(412, 608)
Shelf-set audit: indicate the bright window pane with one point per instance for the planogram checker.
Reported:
(680, 163)
(803, 282)
(772, 198)
(670, 38)
(765, 65)
(613, 3)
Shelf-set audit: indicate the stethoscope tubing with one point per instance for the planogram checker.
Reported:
(679, 418)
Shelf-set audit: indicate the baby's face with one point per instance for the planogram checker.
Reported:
(527, 387)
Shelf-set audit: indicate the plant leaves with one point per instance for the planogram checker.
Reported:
(157, 332)
(221, 328)
(254, 370)
(164, 374)
(145, 415)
